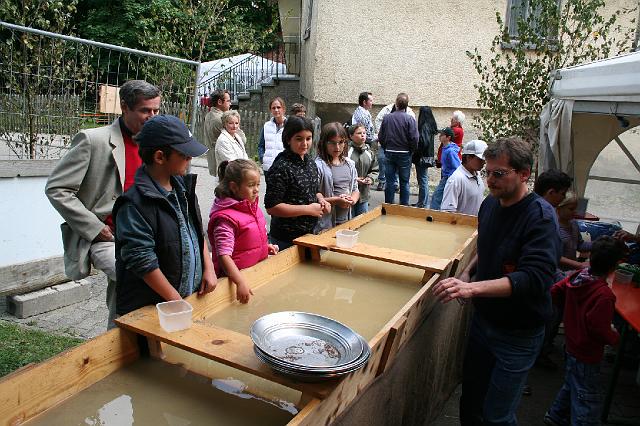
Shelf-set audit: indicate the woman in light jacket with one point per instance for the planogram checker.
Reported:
(270, 142)
(230, 145)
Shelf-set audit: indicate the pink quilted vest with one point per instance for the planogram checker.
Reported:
(251, 244)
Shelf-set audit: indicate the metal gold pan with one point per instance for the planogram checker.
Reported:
(306, 340)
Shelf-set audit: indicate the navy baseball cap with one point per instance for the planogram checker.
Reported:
(163, 130)
(448, 131)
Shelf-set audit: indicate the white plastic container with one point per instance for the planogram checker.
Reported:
(623, 277)
(174, 315)
(346, 238)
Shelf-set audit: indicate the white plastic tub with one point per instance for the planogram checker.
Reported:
(174, 315)
(346, 238)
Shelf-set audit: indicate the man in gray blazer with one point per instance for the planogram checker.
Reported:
(85, 183)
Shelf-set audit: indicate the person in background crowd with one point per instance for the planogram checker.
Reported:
(457, 118)
(464, 190)
(450, 162)
(362, 115)
(552, 185)
(588, 304)
(517, 255)
(99, 166)
(399, 138)
(293, 198)
(221, 103)
(388, 109)
(270, 142)
(230, 145)
(423, 158)
(299, 110)
(366, 166)
(338, 176)
(570, 235)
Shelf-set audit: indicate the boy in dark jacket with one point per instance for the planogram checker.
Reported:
(161, 253)
(588, 310)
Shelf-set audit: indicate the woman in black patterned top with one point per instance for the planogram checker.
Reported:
(292, 198)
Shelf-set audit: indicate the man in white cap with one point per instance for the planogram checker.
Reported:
(464, 190)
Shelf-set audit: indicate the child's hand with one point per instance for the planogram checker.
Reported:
(315, 210)
(209, 281)
(367, 181)
(243, 293)
(273, 248)
(345, 201)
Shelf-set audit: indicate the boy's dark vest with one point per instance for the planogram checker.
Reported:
(131, 291)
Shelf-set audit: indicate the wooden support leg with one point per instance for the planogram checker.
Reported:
(305, 398)
(315, 254)
(426, 277)
(155, 348)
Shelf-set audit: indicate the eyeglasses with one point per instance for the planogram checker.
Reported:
(498, 174)
(336, 142)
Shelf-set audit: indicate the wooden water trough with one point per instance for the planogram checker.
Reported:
(416, 344)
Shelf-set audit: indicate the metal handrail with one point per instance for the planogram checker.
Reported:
(250, 72)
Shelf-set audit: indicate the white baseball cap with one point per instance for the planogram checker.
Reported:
(475, 147)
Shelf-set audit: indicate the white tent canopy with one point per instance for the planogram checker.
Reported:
(591, 105)
(256, 65)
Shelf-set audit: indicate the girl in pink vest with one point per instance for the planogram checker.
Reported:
(237, 228)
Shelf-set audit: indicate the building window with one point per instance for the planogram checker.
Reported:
(307, 24)
(529, 11)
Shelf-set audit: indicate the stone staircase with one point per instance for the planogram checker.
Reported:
(286, 86)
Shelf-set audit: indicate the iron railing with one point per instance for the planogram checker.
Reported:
(250, 72)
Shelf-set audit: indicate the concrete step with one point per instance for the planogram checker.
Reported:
(48, 299)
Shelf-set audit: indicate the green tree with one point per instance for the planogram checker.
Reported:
(191, 29)
(515, 77)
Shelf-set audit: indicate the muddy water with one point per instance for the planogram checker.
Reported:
(151, 392)
(415, 235)
(361, 293)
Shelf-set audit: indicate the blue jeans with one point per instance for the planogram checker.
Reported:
(359, 208)
(423, 185)
(496, 366)
(580, 398)
(397, 164)
(436, 197)
(381, 163)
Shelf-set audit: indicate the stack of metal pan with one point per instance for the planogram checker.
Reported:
(308, 347)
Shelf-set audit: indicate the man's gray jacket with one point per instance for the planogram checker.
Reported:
(83, 188)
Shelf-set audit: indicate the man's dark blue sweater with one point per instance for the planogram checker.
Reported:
(521, 242)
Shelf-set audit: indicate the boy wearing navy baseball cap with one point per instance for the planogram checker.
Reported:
(161, 252)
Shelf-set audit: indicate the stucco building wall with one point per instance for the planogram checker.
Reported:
(388, 46)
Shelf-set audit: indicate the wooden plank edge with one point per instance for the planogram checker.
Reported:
(435, 215)
(344, 394)
(308, 410)
(28, 393)
(29, 276)
(26, 168)
(255, 367)
(257, 275)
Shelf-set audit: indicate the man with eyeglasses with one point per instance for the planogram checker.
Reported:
(464, 190)
(518, 251)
